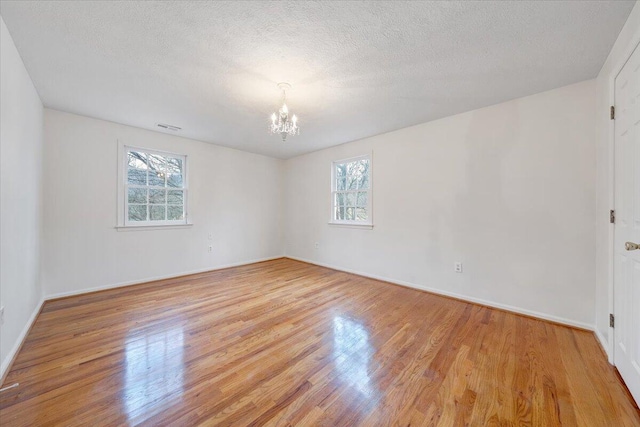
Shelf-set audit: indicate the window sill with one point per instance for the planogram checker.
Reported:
(362, 226)
(152, 227)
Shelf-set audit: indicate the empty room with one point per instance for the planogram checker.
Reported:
(320, 213)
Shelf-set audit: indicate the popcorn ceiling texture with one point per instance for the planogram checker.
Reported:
(357, 68)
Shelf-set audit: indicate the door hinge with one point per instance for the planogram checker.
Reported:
(612, 320)
(613, 112)
(612, 216)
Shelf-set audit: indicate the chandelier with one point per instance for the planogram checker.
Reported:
(281, 123)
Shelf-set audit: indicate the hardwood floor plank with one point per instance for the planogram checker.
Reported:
(285, 343)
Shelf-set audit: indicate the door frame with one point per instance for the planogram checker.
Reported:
(635, 44)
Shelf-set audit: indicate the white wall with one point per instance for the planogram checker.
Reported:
(234, 195)
(509, 190)
(20, 197)
(626, 42)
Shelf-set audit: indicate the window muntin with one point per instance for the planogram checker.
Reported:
(155, 188)
(351, 191)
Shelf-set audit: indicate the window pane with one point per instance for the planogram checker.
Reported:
(363, 182)
(174, 213)
(137, 195)
(175, 196)
(352, 168)
(351, 183)
(174, 180)
(339, 212)
(156, 213)
(156, 178)
(340, 184)
(157, 162)
(362, 199)
(157, 196)
(174, 172)
(363, 167)
(157, 169)
(341, 170)
(350, 199)
(360, 168)
(174, 165)
(349, 214)
(137, 176)
(137, 160)
(361, 214)
(137, 212)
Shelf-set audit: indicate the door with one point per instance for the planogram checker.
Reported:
(626, 285)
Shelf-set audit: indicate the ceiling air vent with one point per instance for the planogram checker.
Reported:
(169, 127)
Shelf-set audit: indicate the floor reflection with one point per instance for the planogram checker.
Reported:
(154, 371)
(353, 354)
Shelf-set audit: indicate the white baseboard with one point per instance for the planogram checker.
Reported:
(506, 307)
(604, 343)
(153, 279)
(6, 363)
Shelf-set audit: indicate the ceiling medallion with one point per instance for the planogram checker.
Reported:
(281, 123)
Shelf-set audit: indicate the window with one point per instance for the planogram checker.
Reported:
(155, 191)
(351, 191)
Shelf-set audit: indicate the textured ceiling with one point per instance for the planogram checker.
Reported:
(357, 68)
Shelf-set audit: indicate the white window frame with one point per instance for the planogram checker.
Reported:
(123, 185)
(353, 223)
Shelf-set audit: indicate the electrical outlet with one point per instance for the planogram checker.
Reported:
(317, 245)
(2, 315)
(457, 267)
(210, 248)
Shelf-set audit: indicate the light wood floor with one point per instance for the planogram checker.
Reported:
(287, 343)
